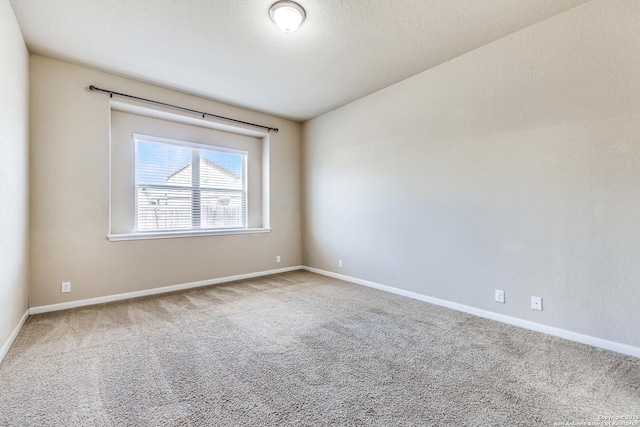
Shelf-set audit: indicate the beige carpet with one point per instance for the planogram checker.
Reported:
(301, 349)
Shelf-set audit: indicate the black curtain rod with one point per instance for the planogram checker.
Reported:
(176, 107)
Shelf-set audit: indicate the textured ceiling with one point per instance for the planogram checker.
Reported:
(229, 50)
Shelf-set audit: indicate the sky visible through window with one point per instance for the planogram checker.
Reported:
(157, 161)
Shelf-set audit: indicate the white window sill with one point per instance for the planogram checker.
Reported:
(178, 234)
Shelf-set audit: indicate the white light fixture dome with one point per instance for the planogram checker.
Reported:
(288, 15)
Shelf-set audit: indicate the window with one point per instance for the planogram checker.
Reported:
(175, 176)
(186, 186)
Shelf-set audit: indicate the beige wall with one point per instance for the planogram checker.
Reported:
(14, 172)
(515, 166)
(70, 196)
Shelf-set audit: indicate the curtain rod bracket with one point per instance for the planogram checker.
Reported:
(176, 107)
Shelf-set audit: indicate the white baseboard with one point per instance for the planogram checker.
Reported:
(154, 291)
(550, 330)
(7, 345)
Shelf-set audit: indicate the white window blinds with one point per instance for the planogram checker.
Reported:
(186, 186)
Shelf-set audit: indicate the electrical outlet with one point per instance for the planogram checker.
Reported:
(340, 263)
(536, 303)
(65, 287)
(278, 258)
(499, 296)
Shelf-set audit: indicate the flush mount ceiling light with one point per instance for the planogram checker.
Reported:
(288, 15)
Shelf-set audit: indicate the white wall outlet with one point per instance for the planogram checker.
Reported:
(340, 263)
(499, 295)
(278, 258)
(536, 303)
(65, 287)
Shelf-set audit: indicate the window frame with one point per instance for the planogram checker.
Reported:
(196, 213)
(133, 107)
